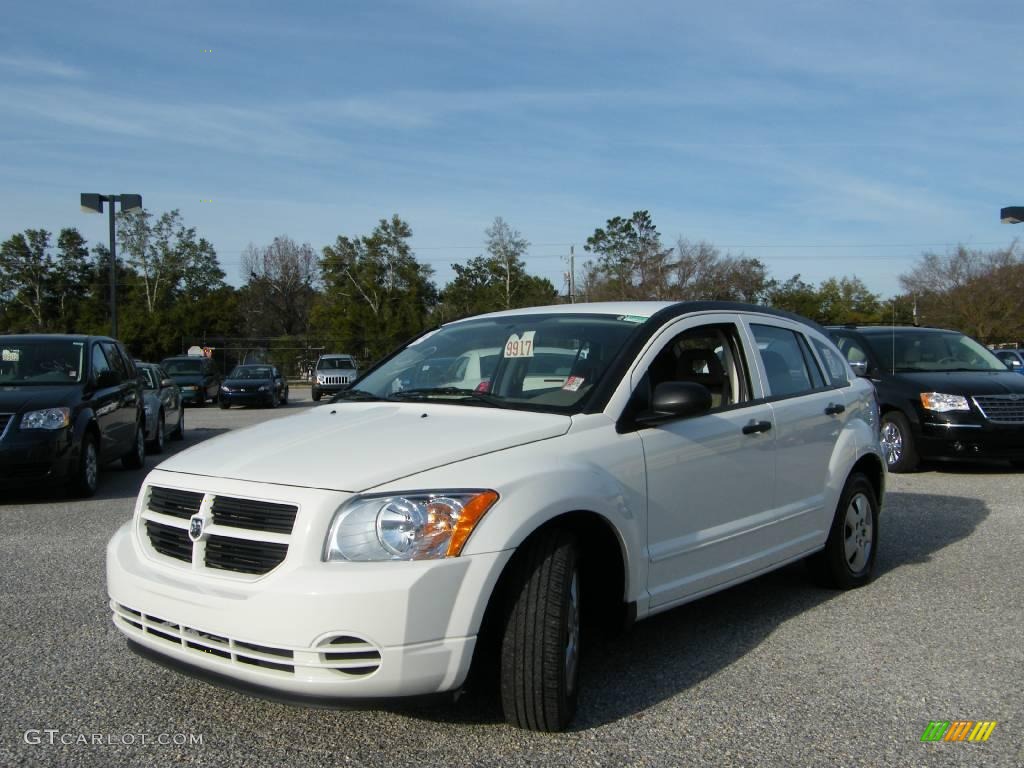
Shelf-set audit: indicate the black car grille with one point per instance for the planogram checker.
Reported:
(170, 541)
(1001, 409)
(170, 501)
(254, 515)
(242, 555)
(259, 552)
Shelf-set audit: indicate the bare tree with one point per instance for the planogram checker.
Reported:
(281, 286)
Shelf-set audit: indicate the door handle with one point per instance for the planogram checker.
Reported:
(756, 426)
(834, 409)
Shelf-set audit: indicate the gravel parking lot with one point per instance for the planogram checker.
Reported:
(774, 672)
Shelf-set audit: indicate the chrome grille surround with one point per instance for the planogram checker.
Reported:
(1001, 409)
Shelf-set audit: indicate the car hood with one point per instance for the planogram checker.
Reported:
(965, 382)
(29, 398)
(355, 446)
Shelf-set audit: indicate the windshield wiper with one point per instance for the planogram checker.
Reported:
(428, 393)
(355, 394)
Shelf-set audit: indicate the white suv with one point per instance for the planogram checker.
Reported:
(372, 547)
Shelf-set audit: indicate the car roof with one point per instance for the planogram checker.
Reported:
(336, 354)
(52, 337)
(880, 329)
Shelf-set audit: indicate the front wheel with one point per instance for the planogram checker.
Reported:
(848, 559)
(179, 432)
(86, 477)
(540, 643)
(223, 404)
(898, 443)
(316, 396)
(160, 441)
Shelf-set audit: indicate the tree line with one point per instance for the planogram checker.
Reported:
(364, 294)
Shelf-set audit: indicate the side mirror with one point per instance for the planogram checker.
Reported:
(675, 400)
(860, 368)
(166, 383)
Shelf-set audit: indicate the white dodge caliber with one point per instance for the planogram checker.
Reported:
(603, 462)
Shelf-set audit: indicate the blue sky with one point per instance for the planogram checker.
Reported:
(825, 138)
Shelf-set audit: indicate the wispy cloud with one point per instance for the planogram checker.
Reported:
(30, 65)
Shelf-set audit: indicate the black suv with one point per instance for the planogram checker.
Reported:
(197, 376)
(942, 394)
(67, 405)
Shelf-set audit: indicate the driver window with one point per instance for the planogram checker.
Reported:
(709, 355)
(99, 362)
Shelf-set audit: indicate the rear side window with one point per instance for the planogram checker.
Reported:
(835, 370)
(784, 362)
(99, 361)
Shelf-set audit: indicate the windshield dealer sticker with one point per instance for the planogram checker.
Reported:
(573, 383)
(11, 355)
(520, 346)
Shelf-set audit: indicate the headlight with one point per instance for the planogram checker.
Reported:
(936, 401)
(415, 526)
(224, 389)
(48, 418)
(319, 379)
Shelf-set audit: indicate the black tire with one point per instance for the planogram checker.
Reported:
(539, 662)
(136, 457)
(848, 559)
(159, 443)
(179, 431)
(274, 400)
(284, 398)
(316, 396)
(224, 404)
(86, 478)
(898, 443)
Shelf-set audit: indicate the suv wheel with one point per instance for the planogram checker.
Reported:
(179, 431)
(540, 644)
(136, 457)
(898, 443)
(316, 396)
(86, 477)
(848, 559)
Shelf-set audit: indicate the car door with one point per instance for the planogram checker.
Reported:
(106, 403)
(129, 394)
(710, 478)
(809, 415)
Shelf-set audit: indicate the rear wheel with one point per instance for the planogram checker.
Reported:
(86, 477)
(136, 457)
(541, 635)
(898, 443)
(848, 559)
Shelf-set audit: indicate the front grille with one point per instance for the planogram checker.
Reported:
(171, 501)
(169, 540)
(243, 536)
(347, 655)
(243, 556)
(1001, 409)
(336, 379)
(254, 515)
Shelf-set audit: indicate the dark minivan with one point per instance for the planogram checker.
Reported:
(197, 376)
(942, 394)
(68, 404)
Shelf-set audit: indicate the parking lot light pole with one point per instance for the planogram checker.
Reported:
(93, 203)
(1014, 214)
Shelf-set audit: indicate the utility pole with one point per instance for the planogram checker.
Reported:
(572, 274)
(93, 203)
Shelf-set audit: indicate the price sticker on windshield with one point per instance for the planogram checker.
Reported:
(520, 346)
(11, 355)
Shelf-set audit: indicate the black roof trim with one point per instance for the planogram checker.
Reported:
(598, 400)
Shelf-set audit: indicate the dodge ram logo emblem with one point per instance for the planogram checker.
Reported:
(195, 527)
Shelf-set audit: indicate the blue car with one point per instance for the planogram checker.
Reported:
(254, 385)
(1012, 358)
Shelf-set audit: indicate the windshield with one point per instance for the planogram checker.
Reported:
(182, 367)
(251, 372)
(148, 378)
(917, 351)
(542, 362)
(335, 364)
(41, 362)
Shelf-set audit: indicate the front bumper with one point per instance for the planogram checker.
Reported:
(192, 395)
(970, 440)
(32, 456)
(331, 630)
(246, 398)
